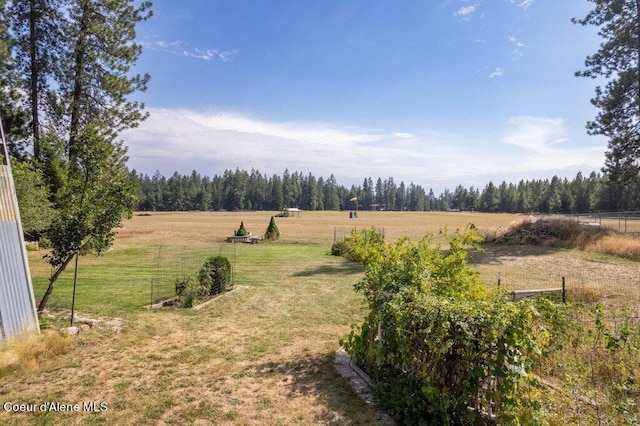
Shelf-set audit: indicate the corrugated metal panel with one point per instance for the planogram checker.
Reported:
(17, 305)
(16, 298)
(7, 207)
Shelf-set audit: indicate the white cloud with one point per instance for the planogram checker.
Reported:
(403, 135)
(517, 47)
(547, 147)
(496, 73)
(525, 4)
(179, 49)
(466, 12)
(534, 133)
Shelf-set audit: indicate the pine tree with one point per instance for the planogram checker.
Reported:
(97, 80)
(37, 30)
(618, 60)
(272, 232)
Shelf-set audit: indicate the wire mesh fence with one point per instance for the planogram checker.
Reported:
(585, 281)
(625, 221)
(172, 263)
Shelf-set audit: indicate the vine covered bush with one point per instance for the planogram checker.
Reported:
(215, 274)
(441, 347)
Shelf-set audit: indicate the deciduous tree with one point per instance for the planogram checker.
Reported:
(97, 195)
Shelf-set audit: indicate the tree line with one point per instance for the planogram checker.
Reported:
(251, 190)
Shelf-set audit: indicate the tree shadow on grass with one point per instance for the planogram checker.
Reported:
(492, 254)
(345, 268)
(317, 376)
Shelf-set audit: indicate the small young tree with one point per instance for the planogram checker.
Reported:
(96, 195)
(272, 232)
(242, 231)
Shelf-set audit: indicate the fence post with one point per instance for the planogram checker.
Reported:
(499, 279)
(564, 291)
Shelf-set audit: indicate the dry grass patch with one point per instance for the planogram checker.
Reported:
(29, 352)
(620, 245)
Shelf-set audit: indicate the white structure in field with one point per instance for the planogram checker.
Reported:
(17, 305)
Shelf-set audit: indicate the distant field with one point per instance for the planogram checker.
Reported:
(308, 227)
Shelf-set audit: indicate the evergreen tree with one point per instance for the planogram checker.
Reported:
(37, 30)
(14, 117)
(618, 61)
(272, 232)
(97, 81)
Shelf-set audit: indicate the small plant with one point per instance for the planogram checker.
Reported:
(341, 248)
(190, 291)
(242, 231)
(272, 232)
(215, 274)
(32, 247)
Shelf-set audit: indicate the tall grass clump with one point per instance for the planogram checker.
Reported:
(441, 347)
(620, 245)
(27, 352)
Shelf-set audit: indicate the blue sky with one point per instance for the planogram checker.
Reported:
(435, 92)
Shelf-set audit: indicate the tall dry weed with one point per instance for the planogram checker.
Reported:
(26, 352)
(621, 245)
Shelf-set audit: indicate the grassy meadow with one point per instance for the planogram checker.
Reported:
(260, 354)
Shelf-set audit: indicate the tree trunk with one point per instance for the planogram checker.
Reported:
(52, 283)
(33, 57)
(77, 84)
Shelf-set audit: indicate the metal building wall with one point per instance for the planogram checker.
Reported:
(17, 304)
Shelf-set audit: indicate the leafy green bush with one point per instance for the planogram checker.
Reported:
(272, 232)
(442, 347)
(357, 246)
(215, 274)
(341, 248)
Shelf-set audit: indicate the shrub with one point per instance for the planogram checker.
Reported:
(190, 291)
(32, 246)
(341, 248)
(359, 245)
(441, 346)
(215, 274)
(242, 231)
(272, 232)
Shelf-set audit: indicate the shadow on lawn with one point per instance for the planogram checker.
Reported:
(317, 376)
(493, 254)
(346, 268)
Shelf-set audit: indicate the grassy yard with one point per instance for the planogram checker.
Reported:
(261, 354)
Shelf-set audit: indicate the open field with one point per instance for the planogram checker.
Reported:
(261, 354)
